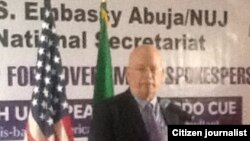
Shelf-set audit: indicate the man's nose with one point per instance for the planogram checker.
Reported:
(148, 73)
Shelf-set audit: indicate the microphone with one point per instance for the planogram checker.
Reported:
(184, 115)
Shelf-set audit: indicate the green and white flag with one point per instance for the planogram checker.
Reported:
(104, 80)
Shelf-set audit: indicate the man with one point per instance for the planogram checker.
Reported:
(137, 114)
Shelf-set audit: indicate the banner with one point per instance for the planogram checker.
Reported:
(204, 45)
(206, 111)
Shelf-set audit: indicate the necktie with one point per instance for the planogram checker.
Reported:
(152, 125)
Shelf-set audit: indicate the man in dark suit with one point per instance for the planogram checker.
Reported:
(137, 114)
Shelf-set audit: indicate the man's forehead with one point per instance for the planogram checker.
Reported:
(145, 49)
(145, 55)
(142, 62)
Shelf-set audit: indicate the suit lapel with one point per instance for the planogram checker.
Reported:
(135, 117)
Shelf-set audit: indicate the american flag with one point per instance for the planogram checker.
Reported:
(49, 118)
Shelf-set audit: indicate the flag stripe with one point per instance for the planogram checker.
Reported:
(35, 132)
(67, 124)
(28, 136)
(63, 130)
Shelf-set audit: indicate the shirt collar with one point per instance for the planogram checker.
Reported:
(142, 103)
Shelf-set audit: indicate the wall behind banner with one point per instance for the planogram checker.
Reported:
(205, 45)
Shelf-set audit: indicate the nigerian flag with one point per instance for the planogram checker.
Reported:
(104, 80)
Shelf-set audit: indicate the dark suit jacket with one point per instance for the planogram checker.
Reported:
(119, 119)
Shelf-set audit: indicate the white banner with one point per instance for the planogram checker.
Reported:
(205, 45)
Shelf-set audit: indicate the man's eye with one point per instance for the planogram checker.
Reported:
(141, 69)
(153, 69)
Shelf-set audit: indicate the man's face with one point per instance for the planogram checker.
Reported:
(145, 73)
